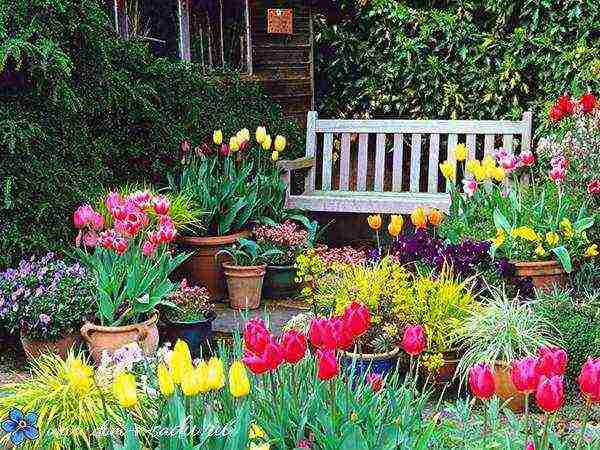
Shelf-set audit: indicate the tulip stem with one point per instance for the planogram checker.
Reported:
(332, 392)
(586, 415)
(545, 435)
(526, 417)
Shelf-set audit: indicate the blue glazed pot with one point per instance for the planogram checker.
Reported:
(379, 363)
(198, 335)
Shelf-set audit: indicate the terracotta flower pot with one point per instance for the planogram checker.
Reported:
(34, 348)
(245, 285)
(544, 274)
(202, 267)
(280, 282)
(99, 338)
(506, 390)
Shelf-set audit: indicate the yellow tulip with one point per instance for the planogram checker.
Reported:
(448, 170)
(201, 373)
(218, 137)
(526, 233)
(234, 144)
(243, 135)
(461, 152)
(540, 251)
(498, 173)
(552, 238)
(419, 218)
(216, 374)
(124, 390)
(165, 380)
(567, 228)
(261, 134)
(263, 446)
(256, 432)
(374, 221)
(275, 155)
(472, 165)
(500, 238)
(435, 217)
(180, 361)
(488, 162)
(279, 143)
(396, 224)
(239, 384)
(592, 251)
(79, 375)
(266, 143)
(190, 384)
(480, 173)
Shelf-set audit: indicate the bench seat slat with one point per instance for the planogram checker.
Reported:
(364, 202)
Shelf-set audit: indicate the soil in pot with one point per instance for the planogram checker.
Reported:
(544, 274)
(280, 282)
(244, 284)
(202, 268)
(506, 390)
(379, 363)
(100, 338)
(198, 335)
(61, 347)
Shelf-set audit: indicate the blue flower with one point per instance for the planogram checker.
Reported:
(21, 426)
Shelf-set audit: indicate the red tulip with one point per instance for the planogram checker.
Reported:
(376, 381)
(293, 345)
(167, 233)
(83, 216)
(524, 375)
(327, 364)
(588, 102)
(358, 318)
(552, 361)
(256, 336)
(527, 158)
(556, 114)
(550, 393)
(566, 104)
(224, 150)
(594, 187)
(256, 364)
(414, 340)
(120, 245)
(589, 380)
(273, 355)
(149, 248)
(161, 205)
(343, 334)
(322, 334)
(482, 382)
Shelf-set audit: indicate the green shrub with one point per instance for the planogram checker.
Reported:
(81, 110)
(489, 59)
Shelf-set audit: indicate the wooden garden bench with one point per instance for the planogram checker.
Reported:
(409, 178)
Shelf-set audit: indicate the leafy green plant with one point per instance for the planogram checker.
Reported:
(249, 253)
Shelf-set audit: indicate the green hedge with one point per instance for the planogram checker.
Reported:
(81, 110)
(485, 59)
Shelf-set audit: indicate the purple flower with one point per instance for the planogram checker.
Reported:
(44, 319)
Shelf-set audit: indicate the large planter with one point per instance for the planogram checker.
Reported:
(280, 282)
(364, 363)
(544, 274)
(245, 285)
(202, 267)
(198, 335)
(506, 390)
(61, 347)
(99, 338)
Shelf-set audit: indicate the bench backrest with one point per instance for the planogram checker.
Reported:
(421, 137)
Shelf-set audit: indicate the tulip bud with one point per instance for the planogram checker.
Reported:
(165, 380)
(327, 364)
(550, 393)
(180, 361)
(482, 382)
(527, 158)
(148, 248)
(374, 222)
(524, 375)
(275, 156)
(589, 380)
(190, 384)
(234, 144)
(419, 218)
(414, 340)
(224, 151)
(294, 346)
(218, 137)
(216, 374)
(239, 384)
(201, 374)
(125, 390)
(266, 143)
(261, 134)
(435, 217)
(552, 361)
(279, 143)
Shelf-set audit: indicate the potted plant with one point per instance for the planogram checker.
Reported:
(500, 332)
(245, 270)
(189, 317)
(46, 300)
(126, 250)
(233, 183)
(291, 240)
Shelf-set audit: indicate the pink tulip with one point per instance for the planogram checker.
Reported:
(552, 361)
(167, 233)
(120, 245)
(161, 205)
(113, 201)
(224, 151)
(470, 187)
(185, 146)
(90, 239)
(83, 216)
(107, 239)
(530, 446)
(589, 380)
(557, 174)
(550, 393)
(482, 381)
(141, 199)
(524, 375)
(149, 248)
(97, 221)
(414, 341)
(527, 158)
(508, 163)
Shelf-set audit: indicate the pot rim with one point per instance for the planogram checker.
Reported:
(207, 241)
(152, 320)
(281, 268)
(210, 318)
(551, 263)
(71, 336)
(243, 268)
(371, 356)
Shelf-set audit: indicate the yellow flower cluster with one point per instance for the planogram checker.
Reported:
(486, 169)
(419, 218)
(79, 375)
(261, 136)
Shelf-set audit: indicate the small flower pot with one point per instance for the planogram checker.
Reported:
(100, 338)
(364, 363)
(280, 282)
(198, 335)
(506, 390)
(544, 274)
(61, 347)
(444, 374)
(202, 268)
(245, 285)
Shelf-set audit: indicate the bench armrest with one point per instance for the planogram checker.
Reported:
(295, 164)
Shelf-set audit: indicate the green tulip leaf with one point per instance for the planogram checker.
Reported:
(564, 258)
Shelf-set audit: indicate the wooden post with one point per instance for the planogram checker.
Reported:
(526, 136)
(312, 62)
(222, 40)
(185, 52)
(248, 41)
(121, 21)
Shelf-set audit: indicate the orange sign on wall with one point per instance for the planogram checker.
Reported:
(279, 21)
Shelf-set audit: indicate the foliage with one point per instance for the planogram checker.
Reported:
(191, 304)
(490, 59)
(81, 110)
(502, 330)
(576, 321)
(46, 298)
(249, 253)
